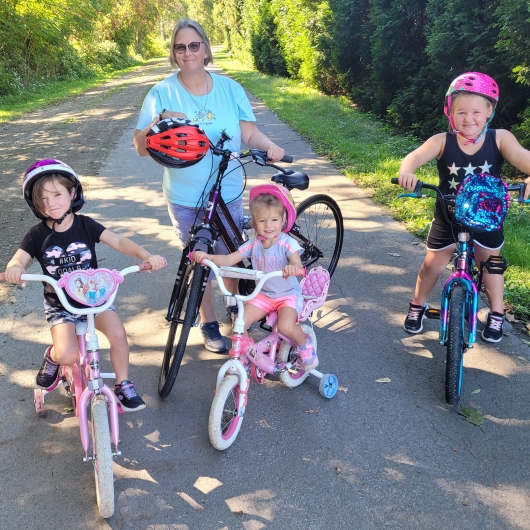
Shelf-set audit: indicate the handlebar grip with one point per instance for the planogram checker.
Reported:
(287, 159)
(145, 266)
(20, 285)
(394, 180)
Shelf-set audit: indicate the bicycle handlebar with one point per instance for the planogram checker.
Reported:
(250, 274)
(416, 194)
(62, 297)
(260, 157)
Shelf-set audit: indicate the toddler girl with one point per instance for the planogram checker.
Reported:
(470, 147)
(270, 248)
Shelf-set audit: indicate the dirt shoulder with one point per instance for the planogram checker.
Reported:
(80, 131)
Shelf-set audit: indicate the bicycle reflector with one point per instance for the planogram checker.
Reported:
(482, 202)
(177, 143)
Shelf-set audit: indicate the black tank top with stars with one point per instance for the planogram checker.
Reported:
(454, 165)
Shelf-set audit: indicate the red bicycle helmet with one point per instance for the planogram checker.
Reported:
(177, 143)
(284, 196)
(48, 166)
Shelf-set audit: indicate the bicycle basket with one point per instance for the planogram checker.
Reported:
(482, 202)
(314, 290)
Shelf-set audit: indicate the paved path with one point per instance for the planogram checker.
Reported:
(379, 455)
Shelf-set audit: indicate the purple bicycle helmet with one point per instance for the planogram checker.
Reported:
(48, 166)
(472, 83)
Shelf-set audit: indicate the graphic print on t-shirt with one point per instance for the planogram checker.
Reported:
(57, 261)
(468, 170)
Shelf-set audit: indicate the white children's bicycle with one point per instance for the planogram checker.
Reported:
(83, 381)
(275, 354)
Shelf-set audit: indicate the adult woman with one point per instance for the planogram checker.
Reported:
(215, 103)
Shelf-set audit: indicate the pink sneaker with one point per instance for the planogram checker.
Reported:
(307, 358)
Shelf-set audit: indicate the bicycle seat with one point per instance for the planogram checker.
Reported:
(291, 179)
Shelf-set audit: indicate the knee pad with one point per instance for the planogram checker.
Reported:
(495, 265)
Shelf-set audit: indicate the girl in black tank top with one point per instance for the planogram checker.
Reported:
(470, 148)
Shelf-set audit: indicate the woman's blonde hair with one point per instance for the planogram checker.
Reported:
(193, 24)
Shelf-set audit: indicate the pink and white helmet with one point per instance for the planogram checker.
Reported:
(283, 195)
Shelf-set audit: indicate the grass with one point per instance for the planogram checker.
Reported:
(46, 93)
(369, 153)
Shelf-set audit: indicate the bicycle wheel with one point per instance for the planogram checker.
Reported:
(224, 421)
(286, 354)
(455, 345)
(102, 457)
(319, 229)
(183, 318)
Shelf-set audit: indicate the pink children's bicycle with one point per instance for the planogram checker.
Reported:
(83, 380)
(274, 354)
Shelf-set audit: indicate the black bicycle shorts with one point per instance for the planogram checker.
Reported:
(443, 235)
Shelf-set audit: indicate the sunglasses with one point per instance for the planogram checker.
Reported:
(192, 46)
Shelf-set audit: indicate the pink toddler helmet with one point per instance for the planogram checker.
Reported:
(472, 83)
(283, 195)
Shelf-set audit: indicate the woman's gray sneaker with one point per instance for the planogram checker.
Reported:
(213, 340)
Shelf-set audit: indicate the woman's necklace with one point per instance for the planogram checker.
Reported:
(188, 90)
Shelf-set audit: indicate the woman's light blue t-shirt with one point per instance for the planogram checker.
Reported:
(221, 109)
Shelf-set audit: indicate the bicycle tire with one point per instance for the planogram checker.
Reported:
(224, 421)
(319, 221)
(455, 345)
(185, 311)
(102, 457)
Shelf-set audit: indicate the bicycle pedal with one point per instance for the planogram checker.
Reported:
(432, 313)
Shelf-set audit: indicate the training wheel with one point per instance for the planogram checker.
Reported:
(38, 399)
(328, 386)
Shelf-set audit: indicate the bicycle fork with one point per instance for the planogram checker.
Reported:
(95, 387)
(471, 306)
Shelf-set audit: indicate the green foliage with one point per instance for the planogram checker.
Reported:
(514, 42)
(350, 48)
(105, 56)
(394, 58)
(41, 41)
(398, 44)
(264, 45)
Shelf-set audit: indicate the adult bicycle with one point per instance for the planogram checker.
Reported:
(458, 311)
(319, 230)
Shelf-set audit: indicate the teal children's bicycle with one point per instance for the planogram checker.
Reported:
(480, 205)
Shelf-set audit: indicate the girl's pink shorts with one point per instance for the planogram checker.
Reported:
(273, 304)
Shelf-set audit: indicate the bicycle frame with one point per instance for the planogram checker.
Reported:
(462, 275)
(271, 355)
